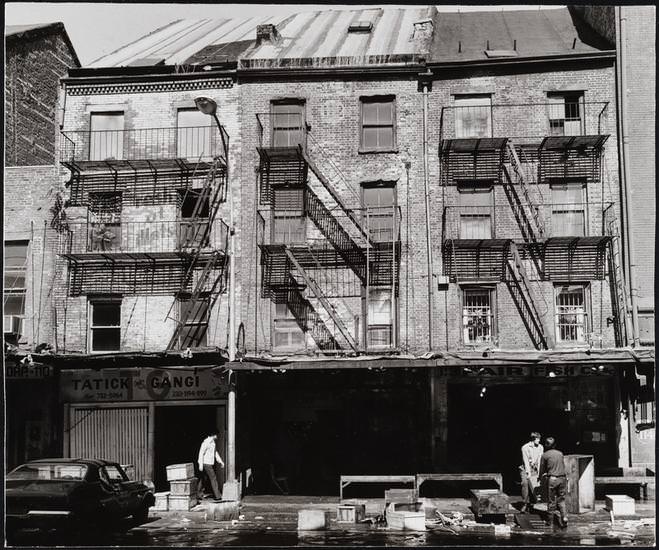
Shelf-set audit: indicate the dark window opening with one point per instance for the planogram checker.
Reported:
(105, 325)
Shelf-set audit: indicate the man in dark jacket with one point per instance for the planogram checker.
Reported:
(552, 471)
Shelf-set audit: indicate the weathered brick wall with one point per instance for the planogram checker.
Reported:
(33, 68)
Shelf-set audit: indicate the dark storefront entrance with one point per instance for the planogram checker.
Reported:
(487, 428)
(311, 427)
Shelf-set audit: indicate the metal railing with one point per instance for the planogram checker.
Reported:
(144, 237)
(498, 222)
(528, 122)
(198, 143)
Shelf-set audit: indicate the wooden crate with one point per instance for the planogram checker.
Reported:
(406, 516)
(350, 513)
(162, 502)
(485, 502)
(180, 472)
(181, 503)
(186, 487)
(620, 505)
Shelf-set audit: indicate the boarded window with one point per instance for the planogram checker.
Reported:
(477, 316)
(105, 325)
(568, 215)
(566, 114)
(379, 201)
(380, 327)
(287, 333)
(378, 124)
(106, 140)
(288, 125)
(473, 116)
(571, 315)
(475, 211)
(194, 134)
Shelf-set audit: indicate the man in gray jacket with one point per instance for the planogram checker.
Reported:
(529, 470)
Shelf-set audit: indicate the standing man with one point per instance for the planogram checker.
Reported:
(530, 469)
(206, 461)
(553, 468)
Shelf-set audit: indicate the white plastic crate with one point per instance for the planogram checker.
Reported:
(180, 472)
(186, 487)
(620, 505)
(162, 501)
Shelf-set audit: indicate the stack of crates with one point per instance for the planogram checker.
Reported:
(182, 494)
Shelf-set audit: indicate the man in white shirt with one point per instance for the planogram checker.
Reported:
(530, 469)
(206, 461)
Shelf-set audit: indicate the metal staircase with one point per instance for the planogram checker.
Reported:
(518, 284)
(617, 279)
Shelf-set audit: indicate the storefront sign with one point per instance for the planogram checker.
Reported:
(142, 385)
(21, 372)
(542, 371)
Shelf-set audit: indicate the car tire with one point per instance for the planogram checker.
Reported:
(142, 514)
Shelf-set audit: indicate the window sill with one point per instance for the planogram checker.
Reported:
(377, 151)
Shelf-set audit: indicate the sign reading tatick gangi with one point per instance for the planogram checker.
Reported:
(144, 384)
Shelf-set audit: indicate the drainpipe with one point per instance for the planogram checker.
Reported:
(621, 58)
(427, 197)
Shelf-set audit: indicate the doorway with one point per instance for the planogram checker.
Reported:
(179, 431)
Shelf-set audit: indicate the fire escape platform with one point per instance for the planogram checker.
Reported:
(564, 143)
(281, 154)
(472, 145)
(575, 258)
(173, 257)
(470, 260)
(127, 167)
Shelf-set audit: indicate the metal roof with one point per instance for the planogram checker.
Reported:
(313, 34)
(519, 33)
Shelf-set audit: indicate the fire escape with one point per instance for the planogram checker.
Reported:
(323, 280)
(127, 248)
(522, 247)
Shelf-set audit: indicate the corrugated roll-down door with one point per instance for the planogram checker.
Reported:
(116, 434)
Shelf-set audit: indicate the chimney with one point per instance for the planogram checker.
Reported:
(422, 36)
(266, 34)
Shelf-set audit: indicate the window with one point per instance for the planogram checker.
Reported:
(475, 212)
(473, 116)
(571, 313)
(566, 112)
(111, 474)
(477, 317)
(193, 227)
(15, 286)
(194, 135)
(193, 314)
(379, 201)
(287, 333)
(288, 123)
(378, 124)
(104, 216)
(106, 325)
(568, 214)
(380, 327)
(289, 224)
(107, 136)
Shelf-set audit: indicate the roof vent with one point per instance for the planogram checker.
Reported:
(267, 33)
(361, 26)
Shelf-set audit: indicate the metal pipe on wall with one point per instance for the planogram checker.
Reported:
(427, 200)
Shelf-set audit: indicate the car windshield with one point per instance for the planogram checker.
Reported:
(49, 472)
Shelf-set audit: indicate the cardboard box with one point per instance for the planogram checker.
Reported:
(350, 513)
(620, 505)
(187, 487)
(180, 472)
(181, 503)
(162, 501)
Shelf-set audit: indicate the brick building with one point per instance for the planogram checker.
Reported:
(37, 56)
(426, 218)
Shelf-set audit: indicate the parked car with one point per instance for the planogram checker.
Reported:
(73, 491)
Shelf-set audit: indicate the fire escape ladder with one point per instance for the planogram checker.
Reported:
(617, 282)
(519, 286)
(213, 193)
(318, 293)
(334, 232)
(309, 320)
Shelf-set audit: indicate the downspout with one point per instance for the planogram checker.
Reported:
(427, 200)
(621, 63)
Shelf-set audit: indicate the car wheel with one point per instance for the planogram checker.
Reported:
(142, 514)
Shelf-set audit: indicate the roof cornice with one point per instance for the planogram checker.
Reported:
(582, 56)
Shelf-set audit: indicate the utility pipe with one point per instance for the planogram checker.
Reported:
(621, 55)
(427, 200)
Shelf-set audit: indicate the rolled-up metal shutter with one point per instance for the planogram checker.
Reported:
(116, 434)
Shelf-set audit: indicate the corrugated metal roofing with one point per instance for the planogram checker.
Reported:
(465, 36)
(314, 34)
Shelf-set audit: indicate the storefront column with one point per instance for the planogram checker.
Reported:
(151, 441)
(439, 421)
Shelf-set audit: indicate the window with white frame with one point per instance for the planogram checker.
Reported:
(193, 134)
(475, 211)
(106, 140)
(380, 317)
(15, 288)
(473, 116)
(477, 316)
(571, 313)
(288, 124)
(378, 123)
(105, 327)
(287, 333)
(193, 315)
(568, 212)
(566, 113)
(379, 201)
(289, 224)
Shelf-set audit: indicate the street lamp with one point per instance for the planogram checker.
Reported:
(208, 106)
